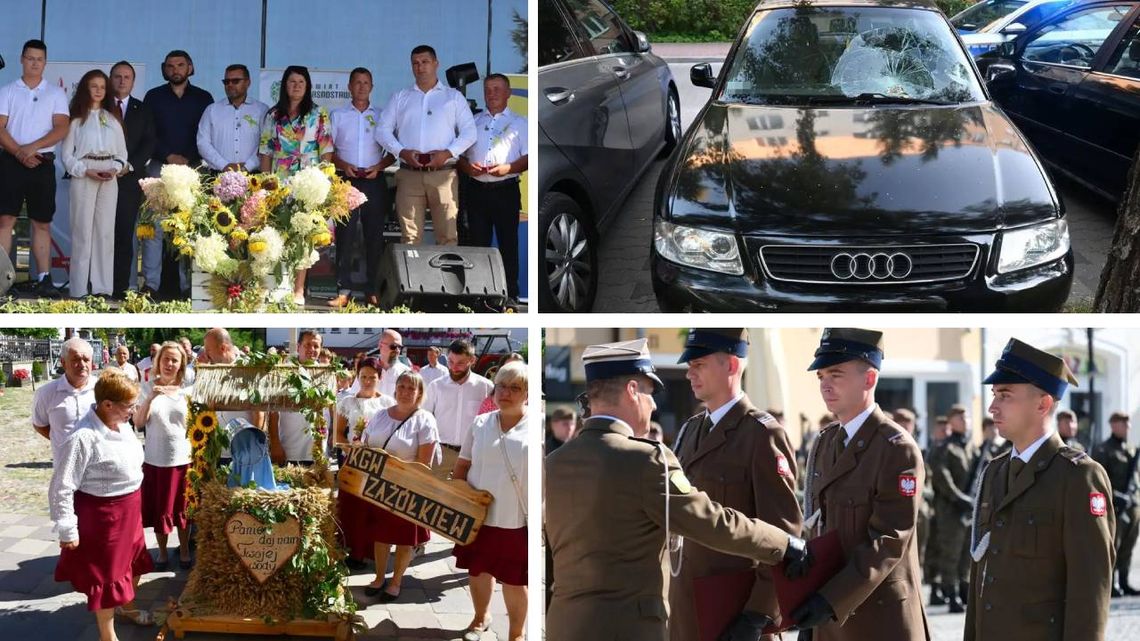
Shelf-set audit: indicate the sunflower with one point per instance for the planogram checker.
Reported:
(191, 502)
(145, 232)
(224, 221)
(197, 437)
(254, 184)
(206, 421)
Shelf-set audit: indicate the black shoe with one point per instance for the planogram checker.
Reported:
(45, 289)
(936, 597)
(386, 597)
(1116, 592)
(370, 590)
(149, 291)
(1128, 590)
(956, 606)
(355, 564)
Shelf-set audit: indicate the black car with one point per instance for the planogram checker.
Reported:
(1072, 84)
(607, 108)
(849, 158)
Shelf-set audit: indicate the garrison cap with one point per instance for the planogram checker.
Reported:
(841, 344)
(1023, 363)
(705, 341)
(624, 358)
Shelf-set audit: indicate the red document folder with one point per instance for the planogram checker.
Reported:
(720, 598)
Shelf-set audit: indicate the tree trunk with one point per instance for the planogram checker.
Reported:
(1119, 289)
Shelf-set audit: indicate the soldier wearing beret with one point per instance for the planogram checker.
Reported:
(613, 500)
(742, 458)
(865, 479)
(951, 465)
(1119, 460)
(1043, 527)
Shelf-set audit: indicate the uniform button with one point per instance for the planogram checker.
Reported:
(994, 550)
(1000, 522)
(990, 579)
(989, 607)
(1031, 520)
(1052, 619)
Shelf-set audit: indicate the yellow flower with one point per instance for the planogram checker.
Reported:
(254, 184)
(186, 251)
(145, 232)
(197, 437)
(178, 241)
(239, 234)
(224, 221)
(215, 204)
(206, 421)
(167, 225)
(329, 170)
(321, 239)
(258, 246)
(191, 502)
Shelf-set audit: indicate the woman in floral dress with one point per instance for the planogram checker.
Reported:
(295, 134)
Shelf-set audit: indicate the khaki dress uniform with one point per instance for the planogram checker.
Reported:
(951, 467)
(1046, 568)
(746, 463)
(870, 492)
(606, 522)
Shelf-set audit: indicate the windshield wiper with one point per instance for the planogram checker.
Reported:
(882, 99)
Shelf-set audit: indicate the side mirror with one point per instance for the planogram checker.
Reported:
(701, 75)
(1006, 49)
(1014, 29)
(642, 42)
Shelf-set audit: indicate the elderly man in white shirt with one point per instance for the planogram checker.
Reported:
(494, 163)
(426, 126)
(434, 369)
(454, 400)
(57, 406)
(360, 159)
(230, 129)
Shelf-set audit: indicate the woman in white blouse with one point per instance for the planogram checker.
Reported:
(353, 412)
(494, 458)
(95, 502)
(409, 433)
(162, 417)
(94, 153)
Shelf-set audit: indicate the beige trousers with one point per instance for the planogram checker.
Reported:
(93, 231)
(443, 470)
(420, 190)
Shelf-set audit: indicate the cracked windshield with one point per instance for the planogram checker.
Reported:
(846, 54)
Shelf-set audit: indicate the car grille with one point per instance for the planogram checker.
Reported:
(868, 265)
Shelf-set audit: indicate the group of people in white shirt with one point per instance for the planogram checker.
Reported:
(108, 140)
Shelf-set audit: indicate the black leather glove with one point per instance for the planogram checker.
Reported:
(748, 626)
(798, 558)
(815, 611)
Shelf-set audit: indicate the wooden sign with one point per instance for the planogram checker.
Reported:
(452, 509)
(262, 548)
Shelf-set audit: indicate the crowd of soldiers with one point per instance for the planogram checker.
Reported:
(1017, 532)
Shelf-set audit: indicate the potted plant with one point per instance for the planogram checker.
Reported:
(20, 378)
(38, 370)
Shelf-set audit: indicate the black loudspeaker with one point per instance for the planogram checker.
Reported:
(7, 274)
(432, 278)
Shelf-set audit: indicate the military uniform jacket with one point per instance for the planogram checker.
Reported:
(1116, 458)
(746, 463)
(951, 466)
(1047, 569)
(870, 492)
(605, 525)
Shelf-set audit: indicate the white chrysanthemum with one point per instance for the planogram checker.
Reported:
(309, 260)
(310, 186)
(302, 223)
(208, 252)
(266, 246)
(182, 185)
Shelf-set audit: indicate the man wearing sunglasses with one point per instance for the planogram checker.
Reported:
(229, 130)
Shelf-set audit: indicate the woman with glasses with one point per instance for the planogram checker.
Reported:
(494, 458)
(96, 504)
(162, 418)
(408, 432)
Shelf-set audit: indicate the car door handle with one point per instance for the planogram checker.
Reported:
(559, 95)
(621, 72)
(1058, 88)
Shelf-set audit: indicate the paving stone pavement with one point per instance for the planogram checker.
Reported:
(435, 604)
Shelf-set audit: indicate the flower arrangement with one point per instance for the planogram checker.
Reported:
(246, 230)
(21, 375)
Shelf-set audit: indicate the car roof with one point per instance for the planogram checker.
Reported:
(905, 4)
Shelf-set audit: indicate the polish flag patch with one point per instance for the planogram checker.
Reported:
(782, 467)
(1097, 504)
(908, 485)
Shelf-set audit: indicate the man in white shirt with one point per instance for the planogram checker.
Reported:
(494, 163)
(454, 400)
(146, 364)
(290, 437)
(57, 406)
(360, 159)
(230, 129)
(426, 126)
(434, 369)
(33, 119)
(219, 349)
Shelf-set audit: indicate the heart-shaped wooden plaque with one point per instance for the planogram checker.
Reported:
(261, 549)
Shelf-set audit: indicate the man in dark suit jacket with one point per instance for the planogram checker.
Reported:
(138, 125)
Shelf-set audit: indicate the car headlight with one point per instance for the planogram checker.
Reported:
(701, 248)
(1036, 245)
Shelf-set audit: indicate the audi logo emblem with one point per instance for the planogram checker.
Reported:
(864, 266)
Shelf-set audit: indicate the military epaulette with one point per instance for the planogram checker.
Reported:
(647, 441)
(764, 418)
(896, 438)
(1073, 454)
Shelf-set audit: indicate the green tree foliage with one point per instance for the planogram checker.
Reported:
(140, 338)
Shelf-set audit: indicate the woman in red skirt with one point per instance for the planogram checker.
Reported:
(95, 503)
(494, 458)
(162, 415)
(409, 433)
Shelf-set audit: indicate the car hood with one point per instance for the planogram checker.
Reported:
(877, 170)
